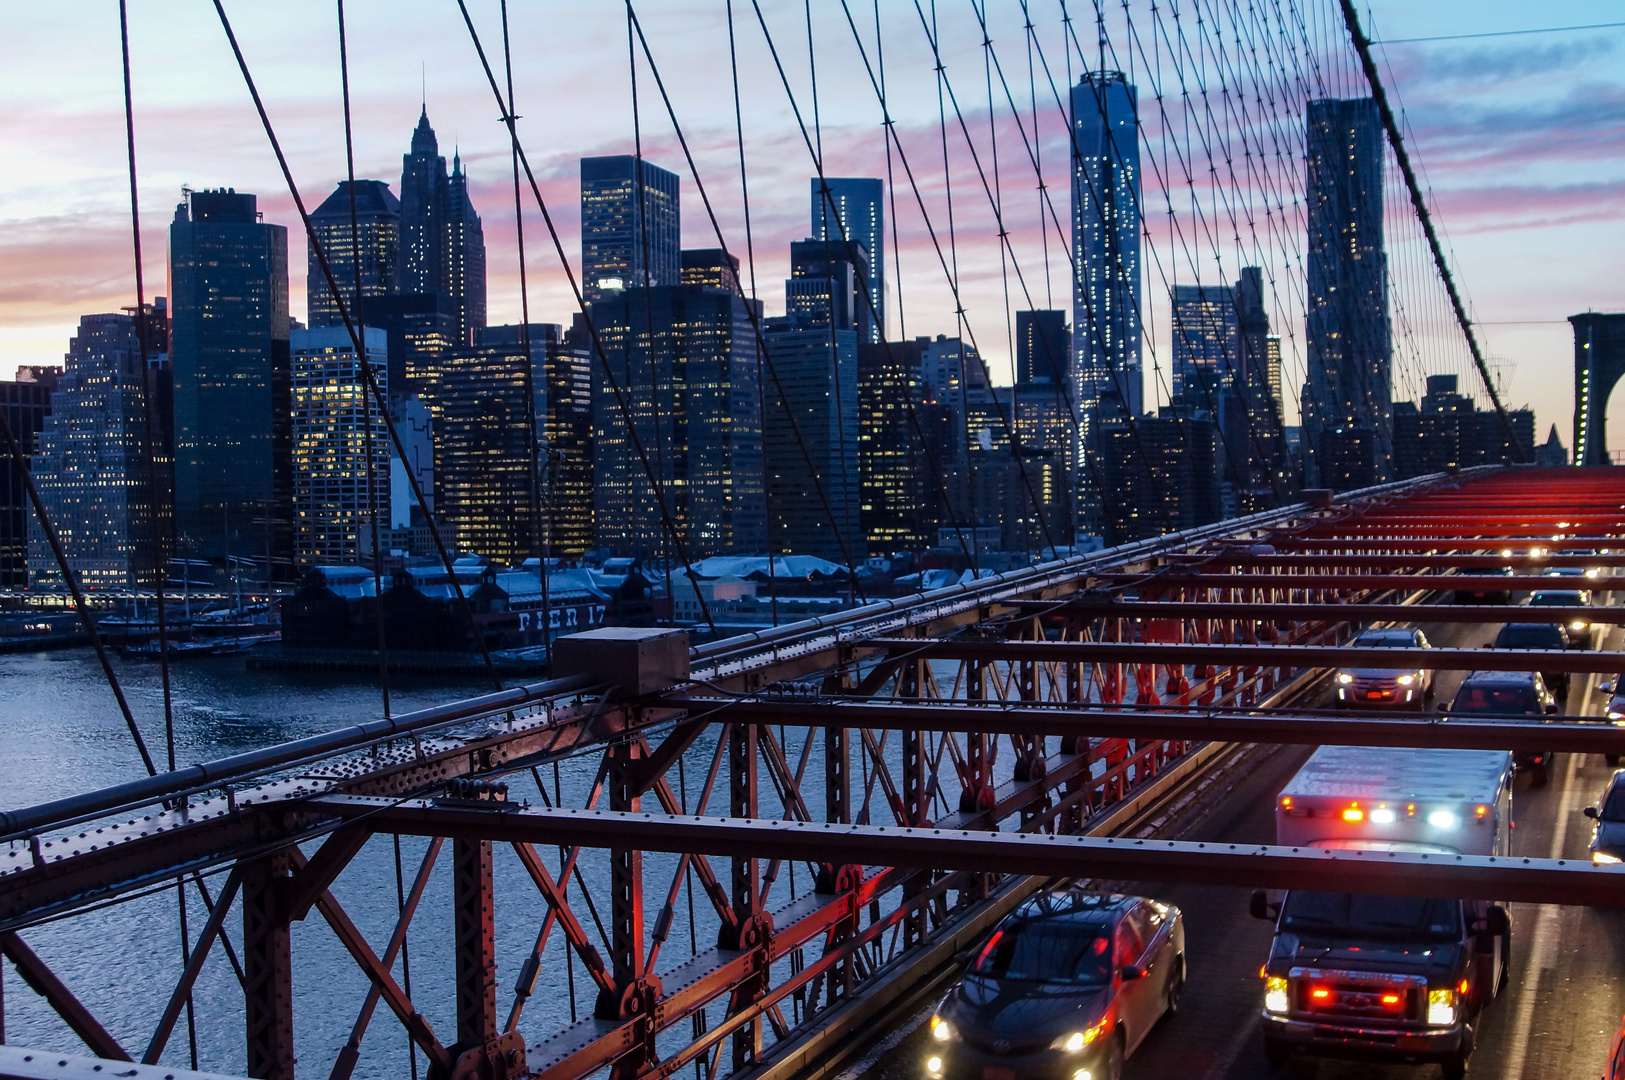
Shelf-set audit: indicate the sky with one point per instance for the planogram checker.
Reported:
(1520, 140)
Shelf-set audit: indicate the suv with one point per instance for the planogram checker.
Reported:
(1608, 832)
(1578, 631)
(1067, 987)
(1517, 635)
(1509, 693)
(1484, 596)
(1407, 687)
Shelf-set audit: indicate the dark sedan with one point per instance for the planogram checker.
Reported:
(1578, 631)
(1539, 636)
(1065, 989)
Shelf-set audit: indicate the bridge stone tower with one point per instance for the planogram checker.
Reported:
(1599, 361)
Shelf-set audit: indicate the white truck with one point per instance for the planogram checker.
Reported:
(1387, 977)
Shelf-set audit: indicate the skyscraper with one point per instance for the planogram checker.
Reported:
(333, 419)
(825, 287)
(1205, 342)
(442, 240)
(1347, 420)
(854, 208)
(465, 256)
(484, 471)
(898, 489)
(423, 212)
(630, 226)
(421, 329)
(567, 476)
(91, 466)
(1258, 363)
(228, 275)
(685, 357)
(1043, 347)
(26, 403)
(378, 235)
(816, 368)
(1106, 267)
(1106, 239)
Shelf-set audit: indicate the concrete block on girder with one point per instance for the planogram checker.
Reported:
(638, 660)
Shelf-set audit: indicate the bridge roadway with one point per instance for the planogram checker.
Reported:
(1556, 1018)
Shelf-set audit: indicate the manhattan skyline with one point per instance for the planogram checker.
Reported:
(66, 223)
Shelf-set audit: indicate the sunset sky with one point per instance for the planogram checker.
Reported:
(1522, 139)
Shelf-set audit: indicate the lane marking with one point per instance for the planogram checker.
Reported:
(1545, 927)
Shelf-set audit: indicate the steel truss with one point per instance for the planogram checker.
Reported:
(827, 810)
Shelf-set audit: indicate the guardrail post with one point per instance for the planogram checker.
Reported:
(474, 937)
(635, 990)
(743, 803)
(268, 967)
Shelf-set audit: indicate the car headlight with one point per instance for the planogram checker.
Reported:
(1578, 625)
(1441, 1007)
(1615, 715)
(1406, 680)
(941, 1030)
(1074, 1041)
(1602, 858)
(933, 1065)
(1276, 999)
(1083, 1074)
(1345, 678)
(1443, 819)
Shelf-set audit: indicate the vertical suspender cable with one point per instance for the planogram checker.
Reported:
(366, 399)
(1362, 46)
(541, 530)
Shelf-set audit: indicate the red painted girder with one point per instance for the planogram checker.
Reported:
(1306, 656)
(1179, 577)
(1419, 559)
(1552, 881)
(1459, 732)
(1106, 607)
(1490, 545)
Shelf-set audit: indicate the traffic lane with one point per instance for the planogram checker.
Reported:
(1442, 635)
(1565, 1002)
(1217, 1028)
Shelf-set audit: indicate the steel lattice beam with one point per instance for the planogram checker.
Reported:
(1308, 656)
(1563, 881)
(1031, 719)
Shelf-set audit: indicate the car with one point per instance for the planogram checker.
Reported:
(1406, 686)
(1509, 693)
(1547, 636)
(1484, 596)
(1616, 1056)
(1608, 823)
(1066, 988)
(1615, 709)
(1578, 631)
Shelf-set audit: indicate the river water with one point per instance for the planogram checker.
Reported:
(62, 733)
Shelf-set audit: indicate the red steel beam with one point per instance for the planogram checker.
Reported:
(1107, 607)
(1460, 732)
(1582, 661)
(1540, 881)
(1180, 578)
(1388, 561)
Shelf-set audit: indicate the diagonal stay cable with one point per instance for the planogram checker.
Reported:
(366, 400)
(621, 403)
(20, 461)
(841, 535)
(367, 372)
(1038, 507)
